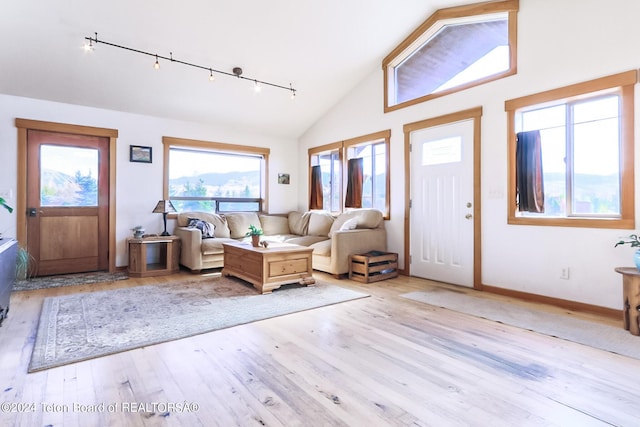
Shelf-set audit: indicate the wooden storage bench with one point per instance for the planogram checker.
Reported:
(373, 266)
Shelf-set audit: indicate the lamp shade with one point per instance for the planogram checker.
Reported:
(164, 206)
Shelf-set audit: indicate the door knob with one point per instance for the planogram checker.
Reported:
(468, 204)
(468, 216)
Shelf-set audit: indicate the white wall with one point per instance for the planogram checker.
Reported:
(138, 185)
(560, 42)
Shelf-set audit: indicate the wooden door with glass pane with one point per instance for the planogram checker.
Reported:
(67, 202)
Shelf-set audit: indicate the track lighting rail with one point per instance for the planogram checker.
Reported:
(236, 72)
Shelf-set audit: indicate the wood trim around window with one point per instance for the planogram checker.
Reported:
(509, 6)
(169, 142)
(314, 151)
(369, 139)
(626, 82)
(341, 147)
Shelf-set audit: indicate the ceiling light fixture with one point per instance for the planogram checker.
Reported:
(88, 46)
(236, 72)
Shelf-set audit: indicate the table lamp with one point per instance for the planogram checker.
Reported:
(164, 207)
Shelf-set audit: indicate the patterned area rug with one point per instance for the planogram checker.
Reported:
(68, 280)
(593, 334)
(88, 325)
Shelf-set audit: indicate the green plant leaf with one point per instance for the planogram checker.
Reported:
(3, 203)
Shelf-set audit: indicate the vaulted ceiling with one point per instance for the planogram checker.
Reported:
(323, 48)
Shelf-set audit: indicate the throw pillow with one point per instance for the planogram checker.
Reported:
(349, 224)
(207, 229)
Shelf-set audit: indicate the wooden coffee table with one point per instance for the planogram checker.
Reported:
(268, 268)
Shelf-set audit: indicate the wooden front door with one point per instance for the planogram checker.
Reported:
(67, 202)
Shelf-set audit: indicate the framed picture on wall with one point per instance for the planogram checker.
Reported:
(140, 154)
(283, 178)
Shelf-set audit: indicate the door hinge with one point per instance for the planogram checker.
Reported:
(410, 203)
(410, 146)
(410, 259)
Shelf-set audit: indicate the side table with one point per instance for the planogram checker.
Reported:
(630, 298)
(169, 248)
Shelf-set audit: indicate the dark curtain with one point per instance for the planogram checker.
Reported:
(353, 198)
(316, 201)
(529, 184)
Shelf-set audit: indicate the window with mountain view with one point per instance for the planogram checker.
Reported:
(375, 160)
(585, 145)
(212, 177)
(69, 176)
(456, 48)
(329, 158)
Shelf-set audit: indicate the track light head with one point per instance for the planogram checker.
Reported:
(156, 65)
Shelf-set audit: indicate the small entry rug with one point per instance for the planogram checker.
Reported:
(593, 334)
(68, 280)
(87, 325)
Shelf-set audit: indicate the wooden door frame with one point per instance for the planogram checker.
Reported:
(474, 114)
(23, 125)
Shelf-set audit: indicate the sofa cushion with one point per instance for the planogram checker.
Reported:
(322, 248)
(298, 222)
(349, 224)
(320, 223)
(274, 225)
(239, 223)
(305, 240)
(219, 222)
(214, 246)
(366, 218)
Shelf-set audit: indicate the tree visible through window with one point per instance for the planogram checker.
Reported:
(68, 176)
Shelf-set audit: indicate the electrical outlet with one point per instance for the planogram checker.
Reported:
(564, 273)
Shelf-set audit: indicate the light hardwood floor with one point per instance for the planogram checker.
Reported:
(376, 361)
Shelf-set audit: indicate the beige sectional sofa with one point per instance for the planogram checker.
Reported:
(333, 239)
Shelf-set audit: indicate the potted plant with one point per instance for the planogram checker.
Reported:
(634, 241)
(255, 234)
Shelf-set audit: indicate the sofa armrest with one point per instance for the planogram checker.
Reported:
(351, 242)
(191, 247)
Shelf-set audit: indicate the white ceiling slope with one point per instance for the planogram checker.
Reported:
(324, 48)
